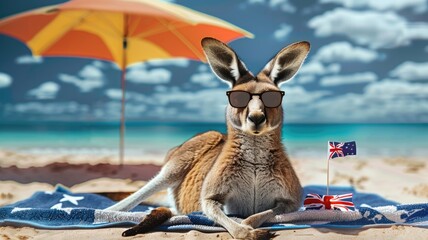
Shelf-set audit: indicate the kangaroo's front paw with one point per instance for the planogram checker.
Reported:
(242, 232)
(248, 233)
(261, 234)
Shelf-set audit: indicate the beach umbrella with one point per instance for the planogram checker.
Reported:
(121, 31)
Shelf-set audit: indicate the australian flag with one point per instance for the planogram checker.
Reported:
(341, 149)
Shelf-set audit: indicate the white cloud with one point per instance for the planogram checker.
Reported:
(393, 99)
(299, 95)
(364, 77)
(204, 105)
(116, 94)
(317, 68)
(297, 101)
(382, 101)
(112, 110)
(161, 89)
(349, 107)
(303, 79)
(389, 88)
(411, 71)
(345, 52)
(28, 59)
(88, 79)
(283, 5)
(282, 32)
(5, 80)
(209, 104)
(162, 112)
(177, 62)
(418, 6)
(100, 64)
(47, 90)
(310, 70)
(205, 77)
(85, 85)
(91, 72)
(47, 108)
(139, 73)
(371, 28)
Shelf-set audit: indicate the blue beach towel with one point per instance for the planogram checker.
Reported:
(62, 209)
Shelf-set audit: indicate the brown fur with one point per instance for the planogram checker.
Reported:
(155, 218)
(246, 172)
(188, 193)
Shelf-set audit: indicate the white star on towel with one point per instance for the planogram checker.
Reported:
(71, 199)
(18, 209)
(59, 207)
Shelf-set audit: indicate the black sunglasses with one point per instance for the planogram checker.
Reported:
(240, 99)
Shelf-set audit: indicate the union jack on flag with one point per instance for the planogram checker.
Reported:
(342, 202)
(341, 149)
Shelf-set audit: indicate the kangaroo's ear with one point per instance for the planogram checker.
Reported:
(223, 61)
(286, 63)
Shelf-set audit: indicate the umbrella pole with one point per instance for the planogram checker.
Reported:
(123, 83)
(122, 120)
(122, 112)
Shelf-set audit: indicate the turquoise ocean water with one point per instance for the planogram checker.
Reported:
(156, 138)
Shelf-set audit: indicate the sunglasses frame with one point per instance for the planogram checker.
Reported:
(254, 94)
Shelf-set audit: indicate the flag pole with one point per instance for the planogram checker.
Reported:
(328, 166)
(328, 174)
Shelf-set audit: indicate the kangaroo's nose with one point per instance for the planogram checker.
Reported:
(257, 118)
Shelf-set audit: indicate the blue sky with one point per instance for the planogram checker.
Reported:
(368, 63)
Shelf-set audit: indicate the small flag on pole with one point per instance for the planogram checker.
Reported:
(329, 202)
(341, 149)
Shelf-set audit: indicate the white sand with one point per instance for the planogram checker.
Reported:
(402, 180)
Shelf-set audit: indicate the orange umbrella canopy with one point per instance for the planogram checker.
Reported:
(98, 28)
(121, 31)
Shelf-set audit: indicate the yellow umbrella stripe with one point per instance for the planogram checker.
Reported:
(55, 30)
(140, 50)
(109, 26)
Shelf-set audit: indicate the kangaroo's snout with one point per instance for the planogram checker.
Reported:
(257, 119)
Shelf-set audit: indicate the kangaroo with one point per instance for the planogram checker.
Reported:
(246, 172)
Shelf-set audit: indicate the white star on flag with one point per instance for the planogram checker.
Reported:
(71, 199)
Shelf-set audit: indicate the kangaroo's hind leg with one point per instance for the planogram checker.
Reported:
(178, 163)
(155, 218)
(170, 174)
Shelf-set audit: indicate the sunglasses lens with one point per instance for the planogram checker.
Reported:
(272, 99)
(239, 99)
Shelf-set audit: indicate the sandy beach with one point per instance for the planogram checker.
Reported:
(21, 174)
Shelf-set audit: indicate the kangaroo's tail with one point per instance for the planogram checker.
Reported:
(156, 217)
